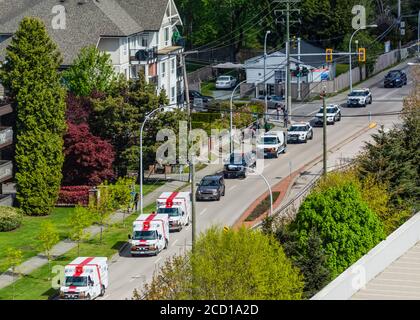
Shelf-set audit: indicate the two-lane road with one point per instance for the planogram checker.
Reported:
(128, 273)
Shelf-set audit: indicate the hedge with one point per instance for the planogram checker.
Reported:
(73, 195)
(10, 219)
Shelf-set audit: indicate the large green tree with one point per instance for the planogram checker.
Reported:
(91, 71)
(31, 74)
(348, 228)
(233, 265)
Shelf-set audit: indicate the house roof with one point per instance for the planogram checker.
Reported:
(306, 47)
(85, 23)
(258, 61)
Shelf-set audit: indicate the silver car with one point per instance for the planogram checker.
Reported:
(225, 82)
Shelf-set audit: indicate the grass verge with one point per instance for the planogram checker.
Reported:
(24, 238)
(262, 207)
(38, 286)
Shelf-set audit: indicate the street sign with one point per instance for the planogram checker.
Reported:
(226, 229)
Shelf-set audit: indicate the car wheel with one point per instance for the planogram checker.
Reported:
(88, 297)
(276, 155)
(312, 135)
(102, 291)
(166, 242)
(223, 194)
(218, 197)
(370, 101)
(306, 139)
(339, 117)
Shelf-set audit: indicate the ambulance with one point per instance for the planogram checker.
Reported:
(150, 234)
(85, 278)
(177, 205)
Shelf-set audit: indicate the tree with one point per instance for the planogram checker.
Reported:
(88, 159)
(346, 225)
(14, 258)
(105, 205)
(79, 220)
(49, 237)
(236, 265)
(91, 71)
(30, 74)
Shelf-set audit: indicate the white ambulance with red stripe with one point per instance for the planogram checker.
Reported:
(177, 205)
(85, 278)
(150, 234)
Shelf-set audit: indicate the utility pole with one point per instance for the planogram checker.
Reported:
(287, 12)
(192, 167)
(324, 132)
(299, 94)
(399, 30)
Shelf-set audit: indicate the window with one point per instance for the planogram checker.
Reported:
(163, 69)
(173, 94)
(124, 44)
(166, 36)
(144, 42)
(173, 66)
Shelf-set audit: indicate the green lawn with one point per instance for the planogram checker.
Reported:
(37, 286)
(207, 88)
(24, 238)
(341, 68)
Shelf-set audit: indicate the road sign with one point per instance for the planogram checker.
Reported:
(226, 229)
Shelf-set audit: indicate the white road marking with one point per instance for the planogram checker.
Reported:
(233, 187)
(267, 165)
(203, 211)
(173, 244)
(187, 227)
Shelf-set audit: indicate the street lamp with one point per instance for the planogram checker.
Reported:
(269, 188)
(265, 58)
(147, 117)
(351, 38)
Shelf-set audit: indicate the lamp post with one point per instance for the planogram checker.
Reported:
(231, 115)
(265, 58)
(351, 38)
(146, 118)
(268, 186)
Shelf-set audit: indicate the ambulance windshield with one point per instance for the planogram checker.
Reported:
(145, 235)
(172, 212)
(76, 281)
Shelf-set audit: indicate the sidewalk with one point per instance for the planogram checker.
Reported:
(64, 246)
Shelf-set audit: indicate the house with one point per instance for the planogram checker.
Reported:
(275, 68)
(139, 35)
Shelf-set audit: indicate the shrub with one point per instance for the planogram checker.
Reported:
(10, 218)
(73, 195)
(262, 207)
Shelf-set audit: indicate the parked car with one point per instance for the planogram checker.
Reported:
(238, 164)
(207, 100)
(272, 143)
(333, 114)
(225, 82)
(395, 78)
(300, 132)
(273, 102)
(211, 187)
(359, 97)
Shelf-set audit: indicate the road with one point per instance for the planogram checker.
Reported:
(128, 273)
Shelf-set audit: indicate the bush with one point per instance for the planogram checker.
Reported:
(262, 207)
(73, 195)
(10, 219)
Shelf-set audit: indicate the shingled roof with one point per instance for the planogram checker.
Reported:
(85, 23)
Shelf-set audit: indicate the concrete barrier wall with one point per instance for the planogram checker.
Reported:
(373, 263)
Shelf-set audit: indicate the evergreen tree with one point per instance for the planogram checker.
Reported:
(30, 73)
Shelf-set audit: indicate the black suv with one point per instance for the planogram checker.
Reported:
(238, 164)
(395, 78)
(210, 188)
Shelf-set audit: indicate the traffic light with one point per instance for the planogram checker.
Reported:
(294, 42)
(362, 54)
(304, 71)
(328, 55)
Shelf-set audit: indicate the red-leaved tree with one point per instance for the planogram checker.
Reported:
(88, 159)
